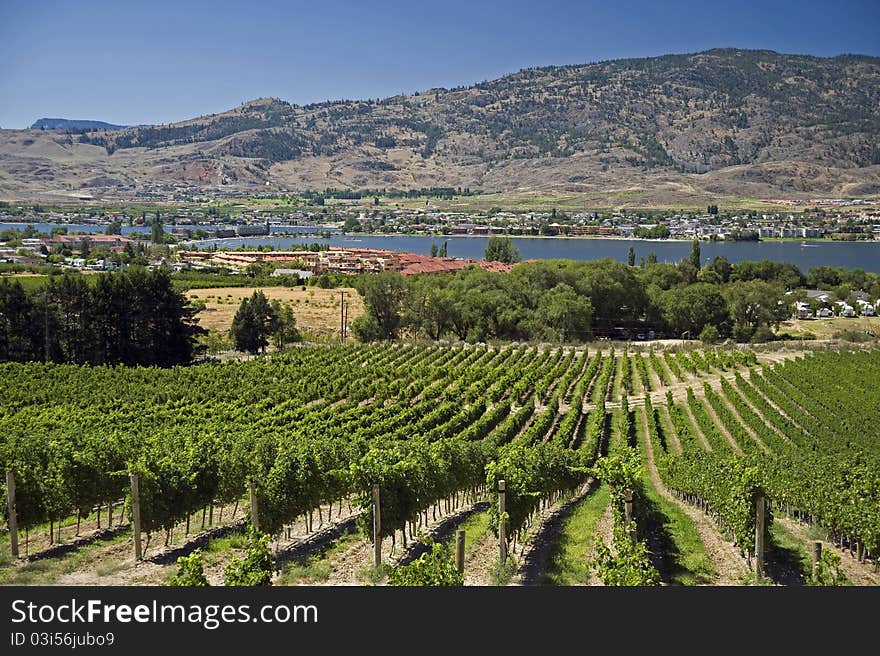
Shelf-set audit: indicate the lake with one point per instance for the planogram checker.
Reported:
(805, 255)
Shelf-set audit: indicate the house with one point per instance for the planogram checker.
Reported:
(302, 274)
(803, 310)
(865, 308)
(824, 312)
(76, 242)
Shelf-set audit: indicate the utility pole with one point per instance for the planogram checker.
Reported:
(342, 315)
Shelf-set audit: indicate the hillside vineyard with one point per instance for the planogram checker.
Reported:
(323, 425)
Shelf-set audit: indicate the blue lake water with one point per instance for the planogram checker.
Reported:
(805, 255)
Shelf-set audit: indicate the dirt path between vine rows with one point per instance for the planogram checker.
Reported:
(603, 533)
(538, 550)
(355, 565)
(695, 427)
(720, 426)
(115, 564)
(857, 573)
(757, 412)
(731, 567)
(773, 405)
(731, 408)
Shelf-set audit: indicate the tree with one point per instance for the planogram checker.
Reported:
(215, 343)
(709, 334)
(695, 255)
(252, 323)
(433, 251)
(568, 315)
(442, 252)
(283, 324)
(631, 256)
(157, 234)
(383, 295)
(259, 269)
(501, 249)
(652, 258)
(113, 228)
(693, 307)
(351, 225)
(754, 303)
(721, 265)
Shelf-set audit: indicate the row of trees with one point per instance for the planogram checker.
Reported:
(574, 301)
(134, 317)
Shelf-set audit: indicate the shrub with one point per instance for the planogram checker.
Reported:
(256, 568)
(433, 568)
(709, 334)
(190, 571)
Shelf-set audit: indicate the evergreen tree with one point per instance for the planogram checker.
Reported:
(157, 234)
(695, 255)
(283, 324)
(252, 323)
(631, 256)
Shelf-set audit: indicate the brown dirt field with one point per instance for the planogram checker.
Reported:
(315, 309)
(825, 328)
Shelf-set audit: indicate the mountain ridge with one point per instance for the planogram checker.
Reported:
(73, 124)
(718, 122)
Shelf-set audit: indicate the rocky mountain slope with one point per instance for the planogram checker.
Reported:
(675, 128)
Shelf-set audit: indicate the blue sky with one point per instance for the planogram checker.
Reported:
(131, 62)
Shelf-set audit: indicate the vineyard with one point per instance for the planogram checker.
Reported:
(653, 467)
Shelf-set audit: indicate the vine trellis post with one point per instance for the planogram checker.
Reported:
(13, 520)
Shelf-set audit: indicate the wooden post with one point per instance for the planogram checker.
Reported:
(255, 509)
(502, 524)
(628, 514)
(459, 552)
(759, 535)
(136, 515)
(817, 557)
(377, 528)
(13, 520)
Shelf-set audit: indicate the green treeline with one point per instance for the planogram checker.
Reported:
(575, 301)
(134, 317)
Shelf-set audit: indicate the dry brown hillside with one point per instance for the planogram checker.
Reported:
(691, 127)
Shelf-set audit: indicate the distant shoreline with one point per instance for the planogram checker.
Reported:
(441, 238)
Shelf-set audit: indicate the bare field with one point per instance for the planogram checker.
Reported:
(316, 310)
(826, 328)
